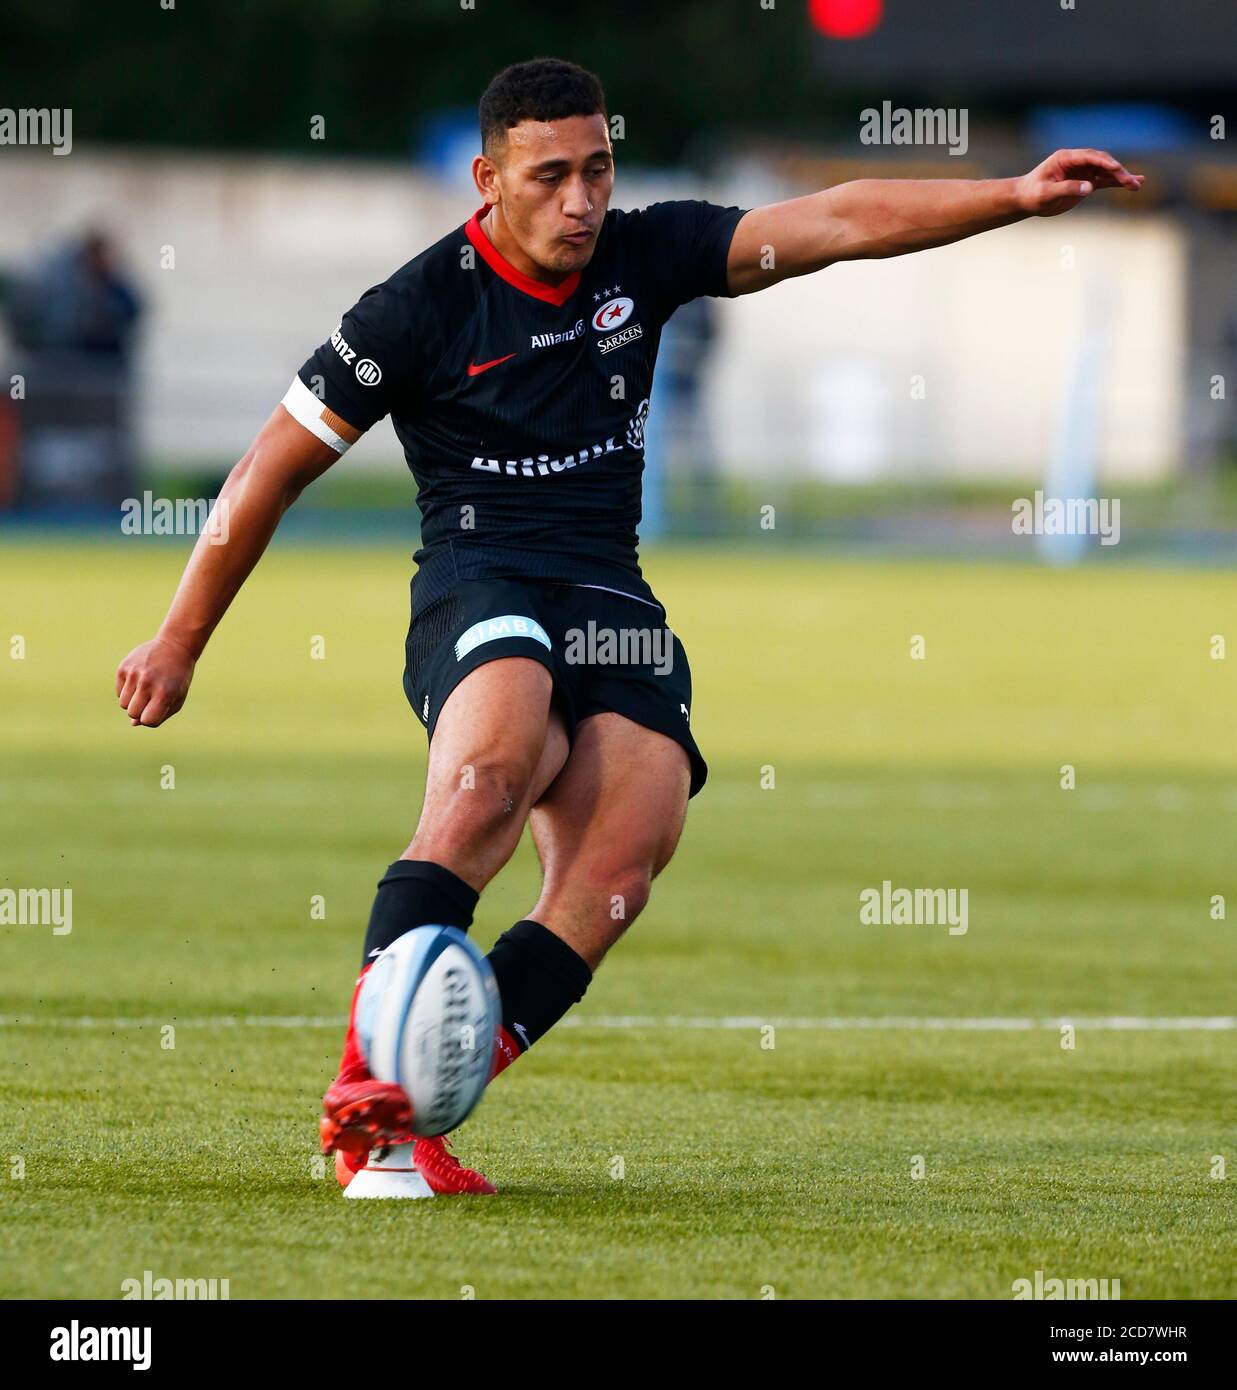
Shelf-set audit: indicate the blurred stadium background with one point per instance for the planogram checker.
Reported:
(896, 404)
(160, 284)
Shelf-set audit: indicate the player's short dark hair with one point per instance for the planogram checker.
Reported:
(542, 89)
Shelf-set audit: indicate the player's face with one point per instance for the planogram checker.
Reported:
(554, 180)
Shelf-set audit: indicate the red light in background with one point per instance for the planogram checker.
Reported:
(846, 19)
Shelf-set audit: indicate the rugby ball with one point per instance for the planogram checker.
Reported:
(426, 1019)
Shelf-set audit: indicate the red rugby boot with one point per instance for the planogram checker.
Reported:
(347, 1166)
(433, 1159)
(359, 1113)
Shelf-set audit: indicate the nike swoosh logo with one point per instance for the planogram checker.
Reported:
(476, 368)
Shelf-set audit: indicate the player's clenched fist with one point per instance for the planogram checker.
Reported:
(153, 680)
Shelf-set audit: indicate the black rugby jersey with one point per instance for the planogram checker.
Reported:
(520, 406)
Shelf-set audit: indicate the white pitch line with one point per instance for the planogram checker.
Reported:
(840, 1023)
(749, 796)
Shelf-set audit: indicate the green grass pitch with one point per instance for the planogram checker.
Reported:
(672, 1156)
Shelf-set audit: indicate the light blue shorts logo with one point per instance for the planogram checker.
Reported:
(490, 629)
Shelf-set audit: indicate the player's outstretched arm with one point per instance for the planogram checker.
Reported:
(153, 680)
(875, 218)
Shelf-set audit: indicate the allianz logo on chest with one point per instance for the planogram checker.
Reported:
(611, 311)
(540, 340)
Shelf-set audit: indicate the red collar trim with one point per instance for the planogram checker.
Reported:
(557, 295)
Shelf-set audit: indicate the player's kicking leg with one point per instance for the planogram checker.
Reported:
(497, 745)
(606, 826)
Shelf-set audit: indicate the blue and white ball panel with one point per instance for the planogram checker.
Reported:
(448, 1042)
(386, 996)
(428, 1023)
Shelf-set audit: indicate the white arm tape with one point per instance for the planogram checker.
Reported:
(306, 409)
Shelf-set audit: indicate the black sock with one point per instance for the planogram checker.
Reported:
(416, 893)
(539, 978)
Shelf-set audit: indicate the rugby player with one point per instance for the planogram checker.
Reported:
(515, 359)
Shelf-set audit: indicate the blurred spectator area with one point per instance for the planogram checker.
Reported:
(955, 363)
(71, 317)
